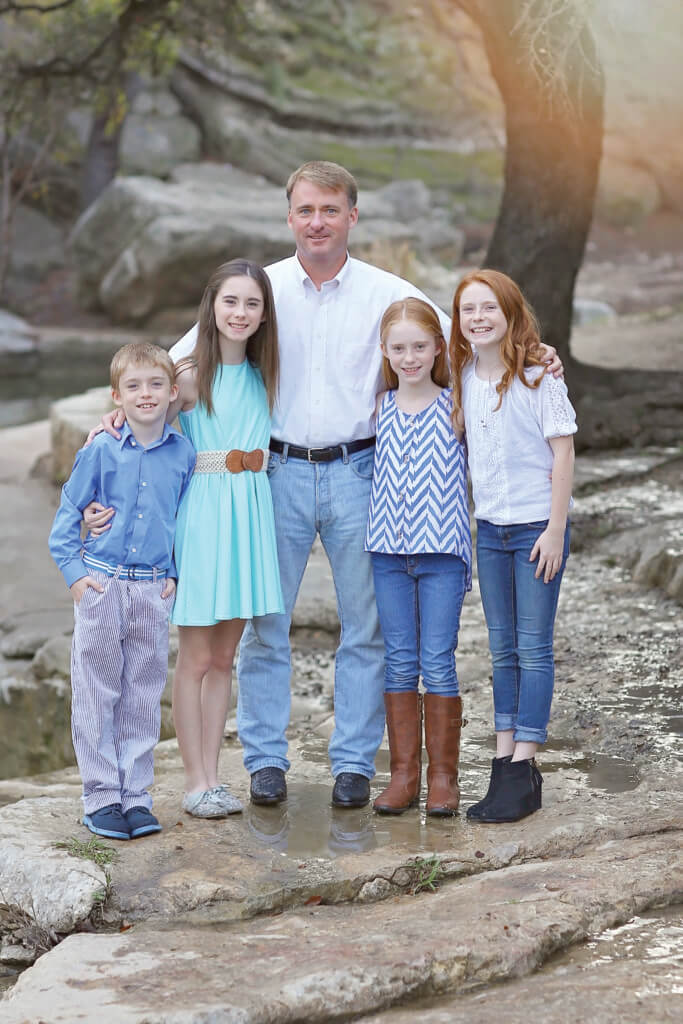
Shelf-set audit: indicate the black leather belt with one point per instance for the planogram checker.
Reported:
(329, 454)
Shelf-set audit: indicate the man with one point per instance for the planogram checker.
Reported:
(328, 309)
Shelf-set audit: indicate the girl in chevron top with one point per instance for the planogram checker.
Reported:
(519, 425)
(419, 538)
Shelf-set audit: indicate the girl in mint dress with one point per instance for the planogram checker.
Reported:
(225, 547)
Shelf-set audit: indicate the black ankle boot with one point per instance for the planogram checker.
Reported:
(474, 812)
(517, 793)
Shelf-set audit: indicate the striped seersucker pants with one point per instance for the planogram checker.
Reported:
(119, 664)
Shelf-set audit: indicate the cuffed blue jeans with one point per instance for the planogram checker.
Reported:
(520, 616)
(419, 600)
(330, 499)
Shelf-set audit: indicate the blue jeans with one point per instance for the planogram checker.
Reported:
(419, 599)
(520, 615)
(330, 499)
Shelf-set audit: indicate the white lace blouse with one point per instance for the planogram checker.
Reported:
(509, 457)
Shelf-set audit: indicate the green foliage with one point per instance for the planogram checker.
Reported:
(100, 854)
(427, 873)
(92, 849)
(75, 49)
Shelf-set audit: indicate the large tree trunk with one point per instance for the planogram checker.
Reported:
(543, 58)
(552, 87)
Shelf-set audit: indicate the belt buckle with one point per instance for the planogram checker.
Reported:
(233, 461)
(131, 572)
(309, 450)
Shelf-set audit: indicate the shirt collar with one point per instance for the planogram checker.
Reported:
(127, 436)
(302, 276)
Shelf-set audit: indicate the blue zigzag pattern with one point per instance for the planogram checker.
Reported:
(419, 489)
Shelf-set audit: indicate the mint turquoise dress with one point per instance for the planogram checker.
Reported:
(225, 548)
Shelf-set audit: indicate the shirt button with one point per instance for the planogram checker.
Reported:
(406, 458)
(144, 483)
(132, 444)
(139, 515)
(133, 549)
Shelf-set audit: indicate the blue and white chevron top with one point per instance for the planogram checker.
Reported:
(419, 485)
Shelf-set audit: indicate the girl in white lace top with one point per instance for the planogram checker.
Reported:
(519, 424)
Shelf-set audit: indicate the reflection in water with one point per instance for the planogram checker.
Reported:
(607, 772)
(308, 826)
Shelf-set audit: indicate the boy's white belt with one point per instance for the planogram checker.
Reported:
(233, 461)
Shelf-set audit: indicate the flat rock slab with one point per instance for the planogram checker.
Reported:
(277, 858)
(322, 963)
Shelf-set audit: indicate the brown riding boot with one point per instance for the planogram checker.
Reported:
(443, 722)
(404, 725)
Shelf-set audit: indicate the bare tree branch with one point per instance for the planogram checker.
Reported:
(22, 8)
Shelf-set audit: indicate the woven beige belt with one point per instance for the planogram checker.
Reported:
(234, 461)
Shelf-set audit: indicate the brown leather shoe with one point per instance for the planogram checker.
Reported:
(404, 724)
(443, 722)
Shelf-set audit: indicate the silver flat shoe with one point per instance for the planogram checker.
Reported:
(225, 798)
(206, 804)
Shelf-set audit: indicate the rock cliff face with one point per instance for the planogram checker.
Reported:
(392, 91)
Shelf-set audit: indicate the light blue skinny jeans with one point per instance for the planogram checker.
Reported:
(520, 616)
(330, 499)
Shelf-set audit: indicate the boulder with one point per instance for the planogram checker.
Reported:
(37, 245)
(71, 419)
(58, 890)
(163, 240)
(53, 659)
(18, 344)
(656, 558)
(592, 311)
(34, 724)
(157, 136)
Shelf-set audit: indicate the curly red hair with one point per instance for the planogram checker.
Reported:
(521, 346)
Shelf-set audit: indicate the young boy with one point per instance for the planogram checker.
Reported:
(123, 584)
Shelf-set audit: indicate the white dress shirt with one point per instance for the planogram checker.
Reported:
(330, 359)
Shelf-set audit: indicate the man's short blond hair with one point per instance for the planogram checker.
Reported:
(140, 353)
(325, 174)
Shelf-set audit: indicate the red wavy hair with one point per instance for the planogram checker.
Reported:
(521, 346)
(419, 312)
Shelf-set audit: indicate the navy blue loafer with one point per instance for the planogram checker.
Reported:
(268, 786)
(351, 790)
(109, 822)
(141, 822)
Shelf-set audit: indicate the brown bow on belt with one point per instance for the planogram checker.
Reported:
(237, 461)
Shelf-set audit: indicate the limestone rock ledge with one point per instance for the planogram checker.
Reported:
(57, 890)
(324, 963)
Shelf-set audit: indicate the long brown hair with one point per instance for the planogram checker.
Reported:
(262, 346)
(419, 312)
(521, 346)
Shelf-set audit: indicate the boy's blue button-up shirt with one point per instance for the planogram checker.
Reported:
(143, 484)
